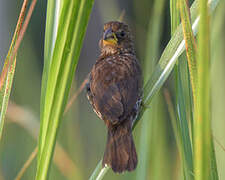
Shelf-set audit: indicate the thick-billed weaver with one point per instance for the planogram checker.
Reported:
(114, 90)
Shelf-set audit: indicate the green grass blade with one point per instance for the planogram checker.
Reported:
(173, 50)
(174, 15)
(202, 121)
(50, 34)
(168, 59)
(99, 172)
(49, 44)
(5, 93)
(185, 146)
(181, 141)
(70, 33)
(213, 166)
(184, 128)
(173, 117)
(5, 90)
(53, 67)
(189, 44)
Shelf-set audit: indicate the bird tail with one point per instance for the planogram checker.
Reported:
(120, 153)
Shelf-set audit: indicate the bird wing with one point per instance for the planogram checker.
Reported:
(114, 89)
(107, 102)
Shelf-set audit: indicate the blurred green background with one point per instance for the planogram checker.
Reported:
(82, 135)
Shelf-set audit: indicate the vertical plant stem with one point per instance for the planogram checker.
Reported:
(59, 74)
(174, 15)
(202, 127)
(50, 36)
(189, 44)
(184, 144)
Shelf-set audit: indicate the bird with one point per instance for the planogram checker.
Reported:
(114, 90)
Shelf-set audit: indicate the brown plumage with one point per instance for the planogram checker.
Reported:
(114, 90)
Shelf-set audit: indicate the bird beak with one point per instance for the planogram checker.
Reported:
(109, 37)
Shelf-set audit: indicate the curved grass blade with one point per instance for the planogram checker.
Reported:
(70, 33)
(8, 70)
(99, 172)
(168, 59)
(5, 93)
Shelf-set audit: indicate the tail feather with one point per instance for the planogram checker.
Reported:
(120, 153)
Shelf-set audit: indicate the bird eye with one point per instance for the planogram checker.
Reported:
(122, 33)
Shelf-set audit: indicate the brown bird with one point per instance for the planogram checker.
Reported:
(114, 90)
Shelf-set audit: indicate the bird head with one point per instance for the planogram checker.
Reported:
(116, 38)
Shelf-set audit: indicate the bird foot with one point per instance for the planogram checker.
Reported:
(145, 106)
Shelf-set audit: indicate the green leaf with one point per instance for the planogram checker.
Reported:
(183, 127)
(99, 172)
(50, 36)
(174, 15)
(169, 56)
(189, 44)
(181, 82)
(5, 93)
(204, 166)
(8, 70)
(59, 72)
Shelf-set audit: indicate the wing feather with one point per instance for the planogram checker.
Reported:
(114, 87)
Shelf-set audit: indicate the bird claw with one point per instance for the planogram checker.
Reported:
(145, 106)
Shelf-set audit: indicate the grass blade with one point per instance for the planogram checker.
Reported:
(169, 56)
(202, 122)
(46, 97)
(8, 70)
(173, 118)
(50, 37)
(70, 33)
(184, 143)
(189, 44)
(5, 93)
(174, 15)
